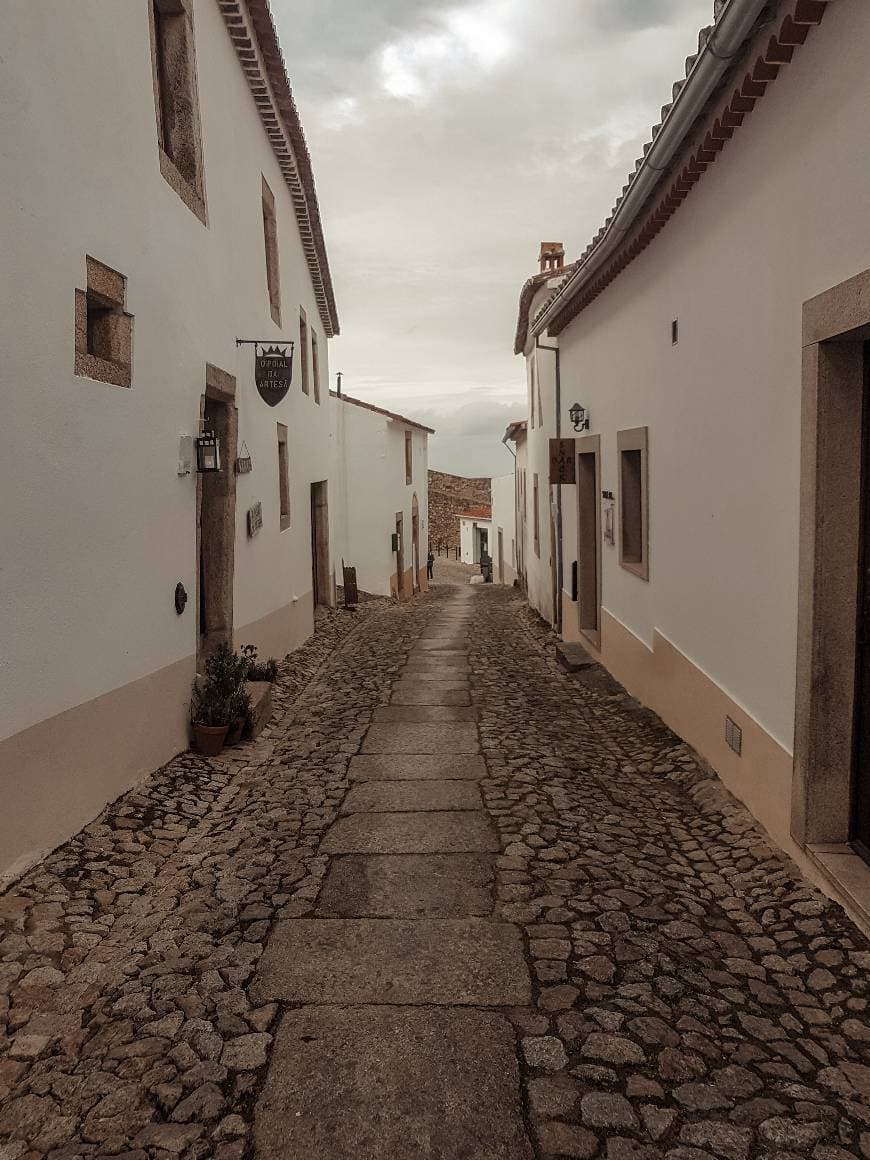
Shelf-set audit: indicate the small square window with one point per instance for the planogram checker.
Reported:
(103, 329)
(675, 331)
(315, 366)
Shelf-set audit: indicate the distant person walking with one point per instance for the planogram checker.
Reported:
(430, 565)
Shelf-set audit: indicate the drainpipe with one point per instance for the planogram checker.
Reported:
(736, 22)
(557, 611)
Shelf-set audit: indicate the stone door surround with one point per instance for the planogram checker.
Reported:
(836, 325)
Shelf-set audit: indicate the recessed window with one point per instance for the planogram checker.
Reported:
(409, 457)
(283, 476)
(675, 331)
(270, 235)
(533, 389)
(315, 366)
(303, 351)
(632, 447)
(103, 329)
(536, 526)
(175, 96)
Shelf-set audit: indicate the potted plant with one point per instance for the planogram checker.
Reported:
(259, 670)
(218, 697)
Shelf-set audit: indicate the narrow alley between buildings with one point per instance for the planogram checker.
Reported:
(452, 903)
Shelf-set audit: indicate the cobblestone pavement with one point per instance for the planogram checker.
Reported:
(453, 903)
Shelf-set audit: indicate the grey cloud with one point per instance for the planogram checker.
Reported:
(434, 207)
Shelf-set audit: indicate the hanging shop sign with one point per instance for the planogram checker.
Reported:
(273, 368)
(255, 518)
(562, 461)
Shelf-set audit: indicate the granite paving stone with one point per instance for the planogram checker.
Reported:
(407, 886)
(422, 832)
(458, 962)
(420, 766)
(423, 714)
(460, 738)
(400, 796)
(388, 1082)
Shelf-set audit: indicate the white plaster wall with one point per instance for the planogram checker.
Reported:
(538, 566)
(466, 541)
(504, 518)
(371, 456)
(780, 217)
(101, 528)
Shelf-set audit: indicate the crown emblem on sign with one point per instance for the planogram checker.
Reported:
(274, 351)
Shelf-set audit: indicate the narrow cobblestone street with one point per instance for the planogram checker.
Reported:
(452, 903)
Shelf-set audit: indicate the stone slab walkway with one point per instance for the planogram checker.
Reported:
(453, 903)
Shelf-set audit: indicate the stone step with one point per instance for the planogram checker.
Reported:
(404, 796)
(420, 693)
(462, 737)
(461, 962)
(380, 1083)
(407, 886)
(422, 832)
(419, 767)
(423, 714)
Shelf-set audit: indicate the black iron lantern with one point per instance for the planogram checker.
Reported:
(579, 417)
(208, 452)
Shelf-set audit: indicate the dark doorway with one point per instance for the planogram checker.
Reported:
(588, 538)
(216, 515)
(501, 556)
(321, 575)
(860, 821)
(400, 555)
(415, 545)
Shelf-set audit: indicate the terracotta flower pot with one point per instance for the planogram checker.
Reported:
(209, 739)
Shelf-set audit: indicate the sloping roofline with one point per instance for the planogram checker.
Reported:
(707, 109)
(527, 294)
(342, 398)
(252, 31)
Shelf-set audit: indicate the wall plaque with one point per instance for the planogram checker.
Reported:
(562, 461)
(255, 518)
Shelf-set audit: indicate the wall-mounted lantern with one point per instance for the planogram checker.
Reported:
(208, 452)
(579, 417)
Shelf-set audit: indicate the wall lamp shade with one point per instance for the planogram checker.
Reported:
(579, 417)
(208, 452)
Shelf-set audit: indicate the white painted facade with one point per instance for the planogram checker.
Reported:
(713, 631)
(504, 542)
(97, 665)
(374, 490)
(475, 537)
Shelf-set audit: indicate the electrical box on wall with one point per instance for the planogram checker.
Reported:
(185, 454)
(733, 736)
(394, 542)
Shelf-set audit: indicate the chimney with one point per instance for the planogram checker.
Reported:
(551, 257)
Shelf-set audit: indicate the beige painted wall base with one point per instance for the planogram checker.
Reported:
(695, 707)
(281, 631)
(58, 775)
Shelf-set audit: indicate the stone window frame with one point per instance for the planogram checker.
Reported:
(303, 352)
(103, 328)
(283, 477)
(189, 187)
(409, 456)
(836, 324)
(270, 241)
(634, 439)
(315, 365)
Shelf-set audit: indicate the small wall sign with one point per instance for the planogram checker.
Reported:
(562, 468)
(243, 461)
(255, 518)
(273, 369)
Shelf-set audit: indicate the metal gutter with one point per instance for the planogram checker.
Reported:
(736, 23)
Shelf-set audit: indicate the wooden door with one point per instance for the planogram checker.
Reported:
(860, 827)
(501, 556)
(400, 555)
(589, 539)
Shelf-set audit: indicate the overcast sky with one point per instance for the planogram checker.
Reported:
(448, 141)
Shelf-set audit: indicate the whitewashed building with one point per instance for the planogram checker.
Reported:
(715, 333)
(383, 524)
(541, 559)
(504, 550)
(166, 211)
(475, 533)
